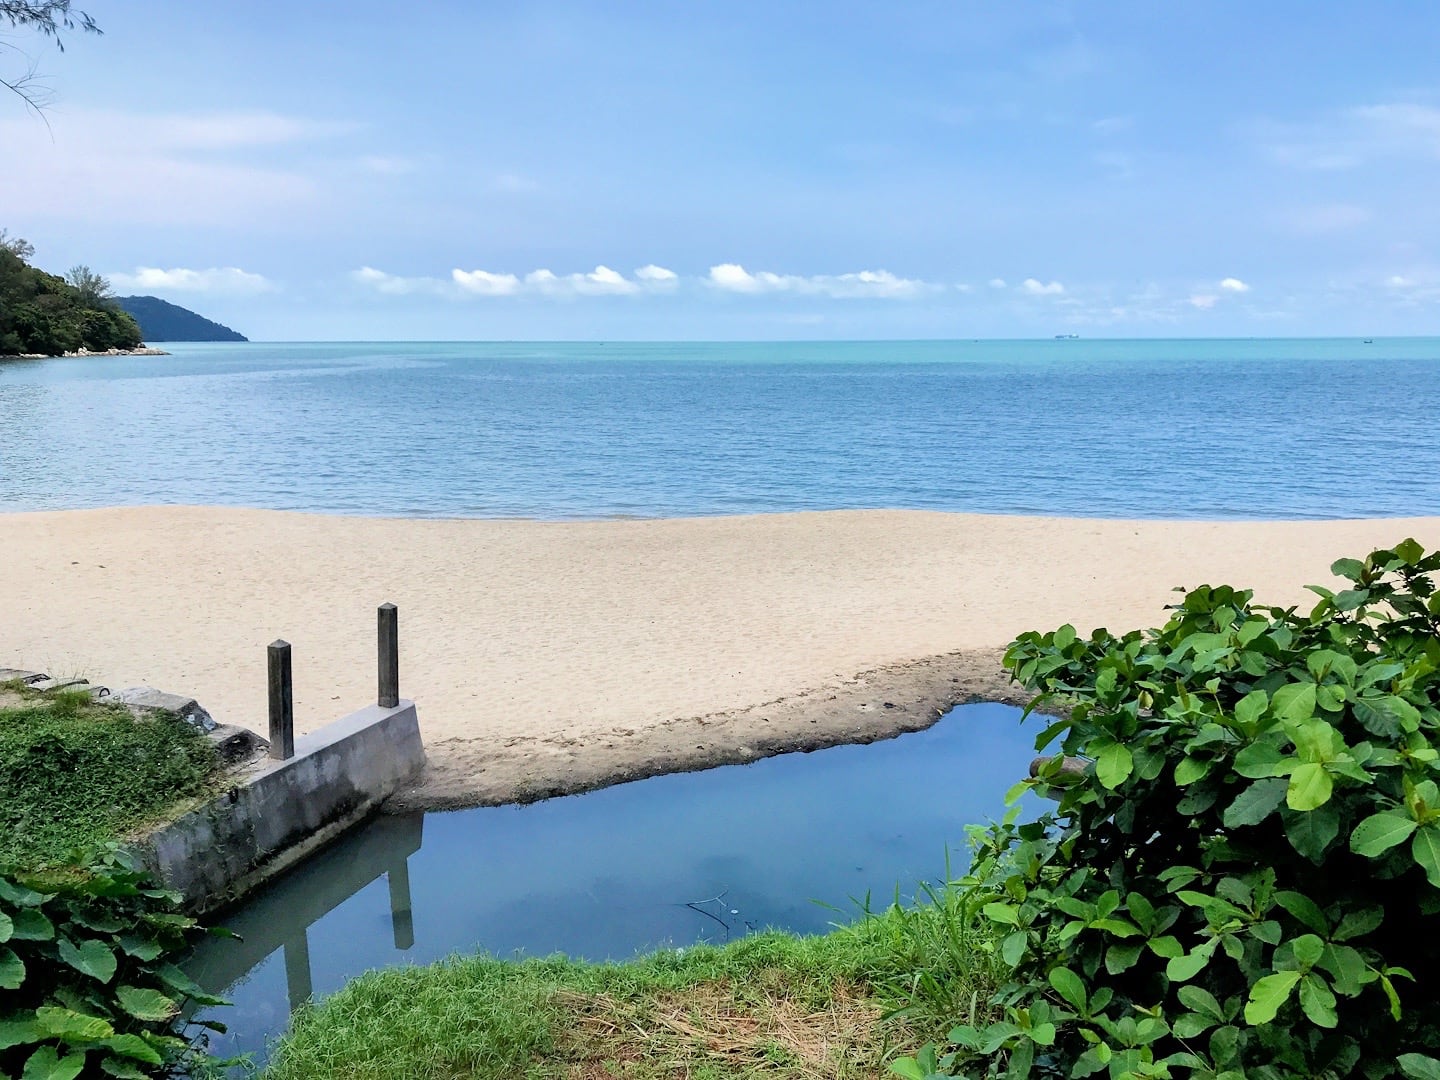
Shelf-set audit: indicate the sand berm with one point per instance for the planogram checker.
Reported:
(549, 657)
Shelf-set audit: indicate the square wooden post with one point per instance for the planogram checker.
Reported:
(389, 642)
(282, 702)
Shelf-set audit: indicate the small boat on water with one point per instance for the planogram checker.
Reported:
(1067, 337)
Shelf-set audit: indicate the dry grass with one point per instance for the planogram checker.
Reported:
(721, 1029)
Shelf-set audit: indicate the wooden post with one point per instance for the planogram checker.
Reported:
(389, 640)
(282, 703)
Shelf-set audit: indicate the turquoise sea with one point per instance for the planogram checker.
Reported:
(1199, 429)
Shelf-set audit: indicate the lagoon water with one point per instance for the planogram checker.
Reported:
(1200, 429)
(796, 842)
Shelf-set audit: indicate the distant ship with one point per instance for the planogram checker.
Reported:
(1067, 337)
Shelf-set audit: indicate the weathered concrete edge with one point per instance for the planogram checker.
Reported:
(282, 811)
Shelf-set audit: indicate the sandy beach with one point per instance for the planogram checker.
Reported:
(553, 656)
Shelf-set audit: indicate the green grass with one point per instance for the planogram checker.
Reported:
(774, 1005)
(75, 773)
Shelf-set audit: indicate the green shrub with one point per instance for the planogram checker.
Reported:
(1244, 880)
(87, 982)
(75, 774)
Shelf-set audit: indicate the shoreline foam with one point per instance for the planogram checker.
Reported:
(548, 657)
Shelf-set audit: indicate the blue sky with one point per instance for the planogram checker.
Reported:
(745, 169)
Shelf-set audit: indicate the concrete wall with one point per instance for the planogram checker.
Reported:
(284, 810)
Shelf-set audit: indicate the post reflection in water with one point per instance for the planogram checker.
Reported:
(280, 916)
(672, 860)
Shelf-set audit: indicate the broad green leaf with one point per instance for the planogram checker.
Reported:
(1166, 947)
(1117, 927)
(1251, 707)
(1069, 986)
(1317, 1001)
(19, 895)
(1122, 956)
(1312, 832)
(12, 969)
(1184, 968)
(1113, 765)
(1358, 923)
(144, 1004)
(1419, 1066)
(1409, 550)
(1425, 847)
(19, 1031)
(1188, 1025)
(91, 958)
(1012, 948)
(1001, 913)
(1268, 995)
(1352, 569)
(144, 949)
(122, 1069)
(6, 928)
(46, 1064)
(1191, 769)
(1064, 637)
(1347, 969)
(1258, 760)
(1307, 949)
(1202, 1001)
(32, 925)
(1378, 833)
(132, 1046)
(1294, 702)
(1316, 740)
(72, 1026)
(1304, 909)
(1255, 803)
(909, 1069)
(1310, 787)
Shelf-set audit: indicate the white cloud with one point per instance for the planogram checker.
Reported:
(863, 284)
(1034, 287)
(1399, 281)
(1234, 285)
(226, 279)
(997, 283)
(392, 285)
(1203, 301)
(484, 283)
(602, 281)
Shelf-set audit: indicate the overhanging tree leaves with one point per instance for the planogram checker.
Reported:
(1245, 881)
(50, 19)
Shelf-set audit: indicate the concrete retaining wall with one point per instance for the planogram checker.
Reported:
(284, 810)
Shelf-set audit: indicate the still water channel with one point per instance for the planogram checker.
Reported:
(795, 842)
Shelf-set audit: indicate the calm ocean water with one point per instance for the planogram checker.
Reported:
(1207, 429)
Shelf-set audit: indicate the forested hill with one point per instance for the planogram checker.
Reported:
(161, 320)
(48, 315)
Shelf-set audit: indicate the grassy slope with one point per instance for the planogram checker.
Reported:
(75, 774)
(775, 1005)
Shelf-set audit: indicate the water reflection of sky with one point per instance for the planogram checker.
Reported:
(621, 870)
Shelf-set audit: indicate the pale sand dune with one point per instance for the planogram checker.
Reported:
(550, 656)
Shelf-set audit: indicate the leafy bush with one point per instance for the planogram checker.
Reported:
(87, 986)
(42, 313)
(75, 774)
(1244, 879)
